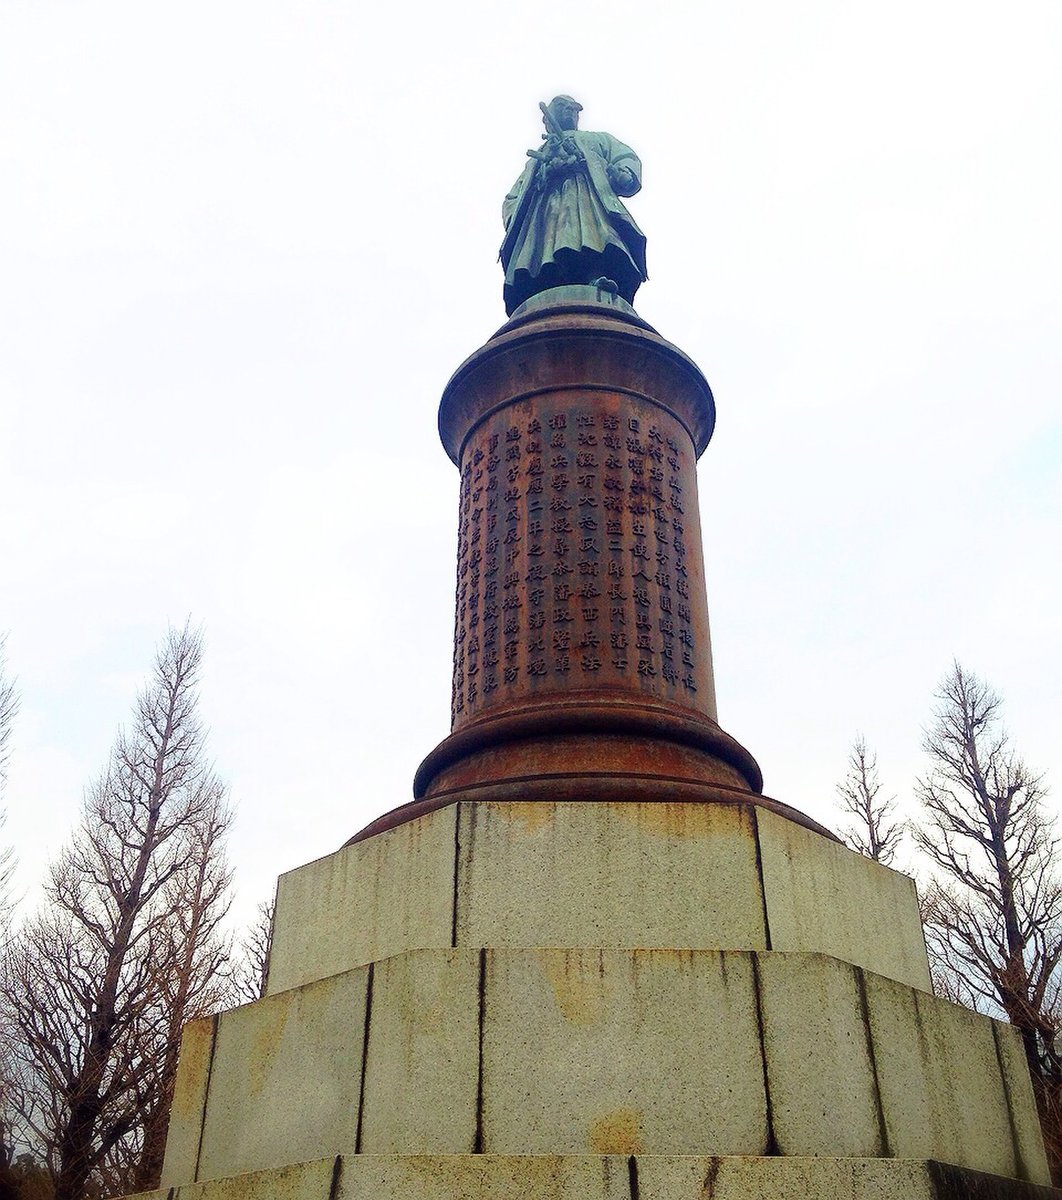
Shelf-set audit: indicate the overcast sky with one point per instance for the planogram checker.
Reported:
(244, 245)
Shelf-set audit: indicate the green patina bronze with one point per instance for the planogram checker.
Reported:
(564, 220)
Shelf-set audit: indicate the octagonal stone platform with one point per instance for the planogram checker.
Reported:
(697, 876)
(568, 1052)
(600, 1000)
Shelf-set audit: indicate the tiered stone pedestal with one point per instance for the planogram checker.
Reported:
(590, 960)
(632, 1000)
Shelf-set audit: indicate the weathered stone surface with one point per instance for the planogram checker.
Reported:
(819, 1069)
(669, 1178)
(609, 1177)
(297, 1181)
(367, 901)
(286, 1077)
(485, 1177)
(919, 1042)
(823, 897)
(189, 1100)
(620, 1052)
(643, 875)
(422, 1061)
(606, 1051)
(1028, 1144)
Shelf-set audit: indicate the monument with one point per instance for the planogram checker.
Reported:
(591, 960)
(564, 219)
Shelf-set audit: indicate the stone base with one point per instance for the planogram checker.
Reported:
(615, 873)
(607, 1052)
(596, 1000)
(609, 1177)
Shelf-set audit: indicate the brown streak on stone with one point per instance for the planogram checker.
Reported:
(579, 993)
(617, 1132)
(772, 1142)
(864, 1011)
(532, 817)
(457, 873)
(667, 818)
(1020, 1166)
(589, 788)
(477, 1140)
(761, 880)
(632, 1176)
(708, 1187)
(214, 1022)
(337, 1172)
(364, 1060)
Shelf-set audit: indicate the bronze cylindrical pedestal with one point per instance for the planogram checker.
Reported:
(581, 647)
(579, 564)
(582, 660)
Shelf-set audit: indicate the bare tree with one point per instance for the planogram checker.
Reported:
(874, 831)
(194, 984)
(8, 1068)
(8, 710)
(127, 946)
(252, 968)
(994, 913)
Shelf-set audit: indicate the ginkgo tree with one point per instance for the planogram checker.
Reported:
(126, 947)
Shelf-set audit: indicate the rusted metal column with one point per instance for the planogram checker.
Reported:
(582, 659)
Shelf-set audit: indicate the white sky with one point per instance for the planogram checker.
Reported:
(244, 245)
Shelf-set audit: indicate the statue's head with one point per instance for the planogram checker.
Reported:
(565, 111)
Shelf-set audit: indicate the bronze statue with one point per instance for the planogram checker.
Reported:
(564, 221)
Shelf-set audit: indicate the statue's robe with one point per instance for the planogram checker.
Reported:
(575, 229)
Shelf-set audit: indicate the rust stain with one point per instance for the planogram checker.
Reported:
(269, 1019)
(578, 982)
(688, 820)
(617, 1132)
(192, 1067)
(531, 815)
(708, 1188)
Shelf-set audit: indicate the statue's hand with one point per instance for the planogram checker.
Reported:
(555, 168)
(621, 178)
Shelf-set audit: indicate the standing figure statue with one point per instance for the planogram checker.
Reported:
(564, 221)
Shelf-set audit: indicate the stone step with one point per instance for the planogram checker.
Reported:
(602, 1051)
(609, 1177)
(708, 876)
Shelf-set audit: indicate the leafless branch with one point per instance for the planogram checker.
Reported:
(9, 701)
(251, 968)
(875, 832)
